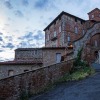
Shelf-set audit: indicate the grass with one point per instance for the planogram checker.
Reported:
(77, 75)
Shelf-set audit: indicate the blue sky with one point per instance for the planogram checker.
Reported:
(22, 21)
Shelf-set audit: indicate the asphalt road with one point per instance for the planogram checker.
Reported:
(87, 89)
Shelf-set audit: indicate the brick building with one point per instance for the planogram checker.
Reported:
(64, 36)
(68, 30)
(64, 29)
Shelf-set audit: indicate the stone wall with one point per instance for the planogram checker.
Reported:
(29, 54)
(49, 55)
(94, 14)
(32, 82)
(88, 43)
(5, 70)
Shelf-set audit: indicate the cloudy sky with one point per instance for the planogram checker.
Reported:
(22, 21)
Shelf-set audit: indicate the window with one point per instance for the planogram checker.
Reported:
(58, 57)
(76, 30)
(92, 16)
(96, 44)
(59, 29)
(68, 38)
(75, 19)
(55, 34)
(10, 72)
(81, 22)
(47, 37)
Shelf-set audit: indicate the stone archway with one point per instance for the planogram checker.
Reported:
(85, 42)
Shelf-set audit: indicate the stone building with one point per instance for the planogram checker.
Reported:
(64, 29)
(68, 30)
(27, 59)
(64, 36)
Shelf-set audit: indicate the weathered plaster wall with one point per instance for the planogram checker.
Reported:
(32, 82)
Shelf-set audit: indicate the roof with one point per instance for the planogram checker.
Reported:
(52, 48)
(26, 49)
(59, 16)
(20, 62)
(94, 10)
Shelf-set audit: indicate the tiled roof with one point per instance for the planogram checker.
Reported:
(20, 62)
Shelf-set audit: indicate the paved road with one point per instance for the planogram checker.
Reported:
(87, 89)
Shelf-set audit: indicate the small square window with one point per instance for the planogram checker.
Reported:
(10, 72)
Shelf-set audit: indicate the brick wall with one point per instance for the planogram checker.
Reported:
(32, 82)
(94, 14)
(67, 24)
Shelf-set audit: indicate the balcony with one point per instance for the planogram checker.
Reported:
(53, 38)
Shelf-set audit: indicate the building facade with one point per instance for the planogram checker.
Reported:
(64, 36)
(68, 30)
(27, 59)
(64, 29)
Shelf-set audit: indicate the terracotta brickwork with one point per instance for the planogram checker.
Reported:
(66, 26)
(94, 14)
(32, 82)
(90, 43)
